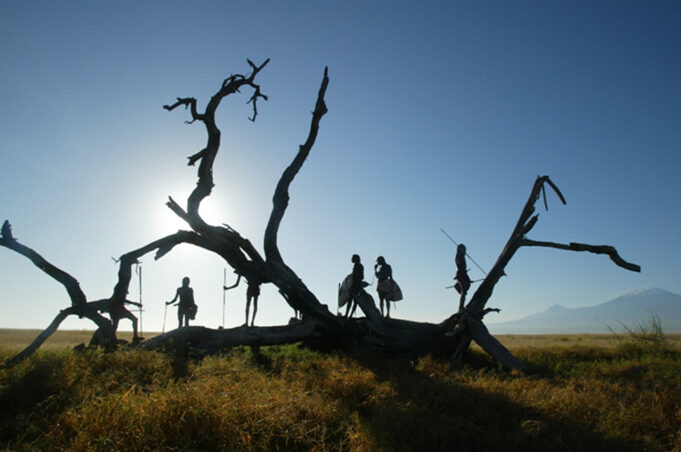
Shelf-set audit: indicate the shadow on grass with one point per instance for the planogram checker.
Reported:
(28, 401)
(431, 414)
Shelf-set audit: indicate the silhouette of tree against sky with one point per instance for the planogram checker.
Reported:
(450, 338)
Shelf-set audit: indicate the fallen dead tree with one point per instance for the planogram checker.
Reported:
(450, 338)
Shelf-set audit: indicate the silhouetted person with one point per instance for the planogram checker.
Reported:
(186, 308)
(383, 272)
(463, 282)
(357, 285)
(252, 294)
(117, 311)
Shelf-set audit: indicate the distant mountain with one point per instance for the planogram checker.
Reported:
(629, 309)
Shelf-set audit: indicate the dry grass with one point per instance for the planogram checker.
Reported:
(567, 340)
(625, 397)
(17, 339)
(11, 339)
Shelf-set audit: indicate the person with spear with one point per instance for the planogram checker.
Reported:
(252, 294)
(463, 282)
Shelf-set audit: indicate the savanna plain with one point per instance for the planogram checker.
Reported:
(583, 393)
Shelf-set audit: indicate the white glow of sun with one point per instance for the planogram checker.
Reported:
(214, 210)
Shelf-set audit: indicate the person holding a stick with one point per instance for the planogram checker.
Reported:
(252, 293)
(463, 282)
(186, 308)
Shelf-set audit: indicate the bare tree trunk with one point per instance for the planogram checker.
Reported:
(207, 340)
(452, 337)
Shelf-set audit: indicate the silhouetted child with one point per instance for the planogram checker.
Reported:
(186, 308)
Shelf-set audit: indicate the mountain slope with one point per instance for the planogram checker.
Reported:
(629, 309)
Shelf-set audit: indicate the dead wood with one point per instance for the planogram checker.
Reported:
(450, 338)
(208, 341)
(475, 309)
(79, 305)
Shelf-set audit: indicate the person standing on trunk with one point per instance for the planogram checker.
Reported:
(186, 308)
(384, 274)
(357, 284)
(463, 282)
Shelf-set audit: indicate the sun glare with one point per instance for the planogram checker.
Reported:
(214, 210)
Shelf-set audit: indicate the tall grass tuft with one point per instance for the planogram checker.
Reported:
(645, 338)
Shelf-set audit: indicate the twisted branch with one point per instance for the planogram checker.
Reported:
(596, 249)
(206, 156)
(70, 283)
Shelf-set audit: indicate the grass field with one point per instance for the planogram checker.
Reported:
(17, 339)
(62, 339)
(585, 393)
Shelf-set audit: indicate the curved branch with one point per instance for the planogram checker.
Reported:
(291, 287)
(596, 249)
(79, 303)
(42, 337)
(70, 283)
(187, 102)
(90, 312)
(555, 189)
(162, 247)
(281, 196)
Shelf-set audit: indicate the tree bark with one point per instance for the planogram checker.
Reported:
(209, 341)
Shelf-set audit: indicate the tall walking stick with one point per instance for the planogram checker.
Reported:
(164, 319)
(139, 273)
(224, 291)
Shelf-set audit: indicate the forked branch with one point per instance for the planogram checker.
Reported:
(206, 156)
(475, 309)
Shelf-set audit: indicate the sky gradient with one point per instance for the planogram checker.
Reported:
(440, 116)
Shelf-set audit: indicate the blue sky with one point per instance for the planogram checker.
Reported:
(440, 116)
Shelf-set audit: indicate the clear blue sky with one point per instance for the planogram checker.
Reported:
(441, 115)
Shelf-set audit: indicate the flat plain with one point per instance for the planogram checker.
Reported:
(16, 339)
